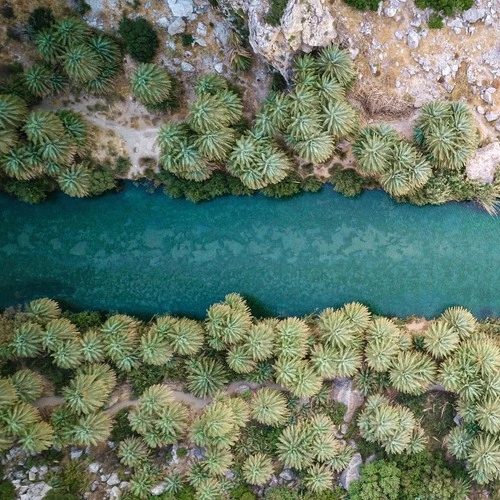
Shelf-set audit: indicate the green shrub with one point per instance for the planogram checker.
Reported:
(363, 4)
(187, 40)
(435, 21)
(281, 493)
(147, 375)
(84, 320)
(121, 428)
(311, 185)
(72, 480)
(447, 7)
(40, 19)
(32, 192)
(140, 38)
(7, 490)
(378, 480)
(289, 186)
(347, 182)
(243, 493)
(102, 179)
(276, 10)
(57, 376)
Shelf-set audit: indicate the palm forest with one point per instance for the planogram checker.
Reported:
(234, 405)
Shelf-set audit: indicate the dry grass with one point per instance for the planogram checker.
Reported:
(379, 102)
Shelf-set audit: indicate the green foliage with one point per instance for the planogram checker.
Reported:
(40, 18)
(151, 84)
(32, 191)
(379, 479)
(140, 38)
(147, 375)
(276, 9)
(435, 21)
(121, 428)
(7, 490)
(187, 39)
(205, 376)
(447, 7)
(363, 4)
(72, 479)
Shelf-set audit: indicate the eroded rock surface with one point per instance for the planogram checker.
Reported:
(483, 165)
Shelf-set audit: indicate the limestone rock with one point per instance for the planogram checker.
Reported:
(94, 467)
(352, 472)
(412, 39)
(491, 116)
(287, 475)
(159, 489)
(35, 491)
(181, 8)
(305, 24)
(177, 26)
(473, 15)
(344, 393)
(113, 479)
(186, 67)
(484, 163)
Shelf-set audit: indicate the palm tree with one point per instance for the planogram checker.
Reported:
(342, 457)
(215, 426)
(74, 181)
(209, 489)
(330, 90)
(36, 438)
(81, 63)
(68, 354)
(92, 346)
(85, 394)
(56, 331)
(286, 370)
(186, 336)
(38, 80)
(325, 447)
(103, 83)
(459, 441)
(154, 398)
(259, 343)
(277, 106)
(294, 446)
(171, 136)
(441, 339)
(484, 457)
(216, 145)
(227, 324)
(335, 328)
(142, 481)
(27, 340)
(275, 165)
(132, 452)
(48, 46)
(338, 64)
(208, 113)
(488, 415)
(59, 150)
(304, 67)
(13, 111)
(151, 84)
(155, 349)
(257, 469)
(382, 343)
(8, 139)
(302, 100)
(323, 360)
(205, 376)
(460, 319)
(239, 360)
(269, 407)
(319, 478)
(418, 441)
(28, 385)
(373, 149)
(340, 119)
(91, 429)
(240, 410)
(16, 164)
(105, 48)
(19, 417)
(263, 124)
(196, 474)
(8, 393)
(217, 460)
(42, 126)
(315, 149)
(304, 125)
(210, 83)
(347, 361)
(173, 483)
(291, 338)
(75, 127)
(306, 382)
(412, 372)
(43, 309)
(71, 31)
(233, 104)
(240, 58)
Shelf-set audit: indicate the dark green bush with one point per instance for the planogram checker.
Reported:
(72, 480)
(378, 480)
(281, 493)
(435, 21)
(242, 493)
(34, 191)
(287, 187)
(7, 490)
(363, 4)
(311, 185)
(59, 377)
(347, 182)
(447, 7)
(84, 320)
(147, 375)
(140, 38)
(102, 179)
(187, 39)
(121, 427)
(40, 19)
(276, 10)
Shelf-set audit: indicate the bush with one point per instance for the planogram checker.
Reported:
(146, 376)
(447, 7)
(101, 179)
(289, 186)
(378, 480)
(187, 40)
(32, 192)
(435, 21)
(7, 490)
(71, 481)
(140, 38)
(276, 10)
(84, 320)
(40, 19)
(121, 428)
(363, 4)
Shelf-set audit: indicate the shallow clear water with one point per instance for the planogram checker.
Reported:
(145, 253)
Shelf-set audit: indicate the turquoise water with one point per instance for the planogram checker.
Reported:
(145, 253)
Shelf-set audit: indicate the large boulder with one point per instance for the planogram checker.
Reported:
(344, 392)
(484, 163)
(352, 472)
(305, 24)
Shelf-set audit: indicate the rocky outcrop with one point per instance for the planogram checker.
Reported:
(483, 165)
(352, 472)
(344, 392)
(305, 24)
